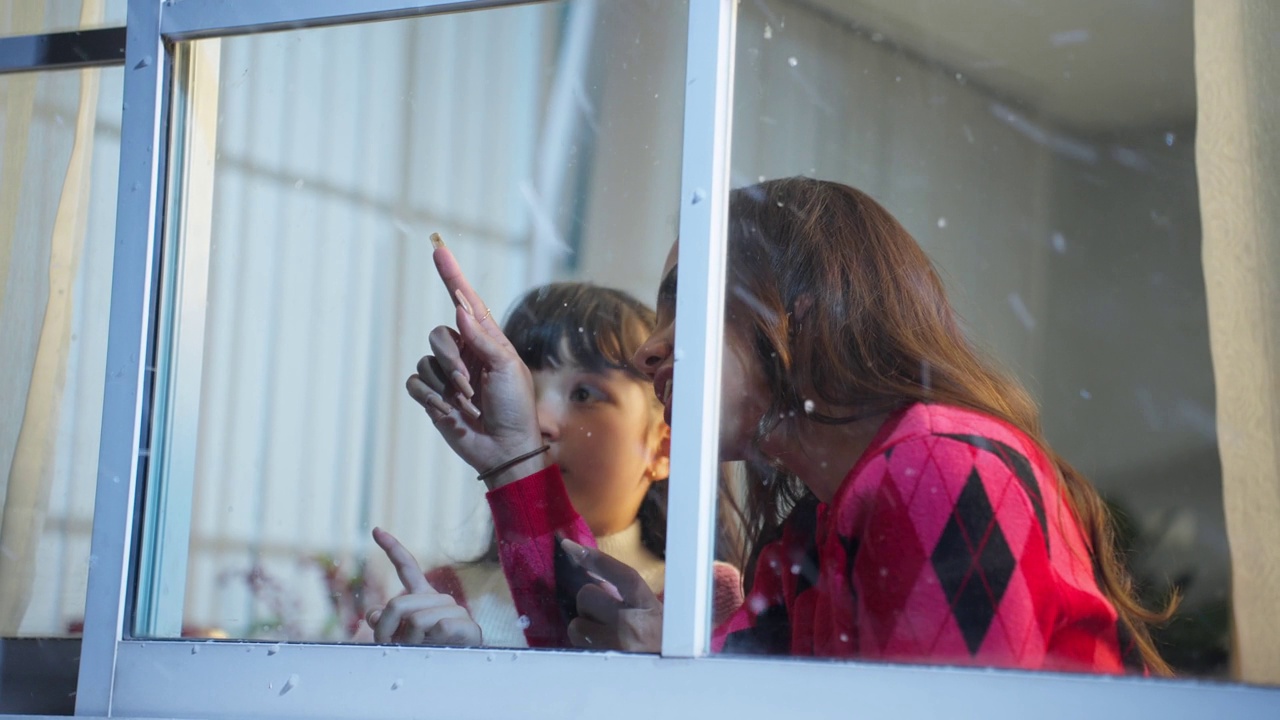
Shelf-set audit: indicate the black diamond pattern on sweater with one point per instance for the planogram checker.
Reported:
(973, 562)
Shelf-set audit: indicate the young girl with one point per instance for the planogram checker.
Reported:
(606, 433)
(905, 505)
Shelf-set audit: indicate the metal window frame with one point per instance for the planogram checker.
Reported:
(119, 675)
(100, 47)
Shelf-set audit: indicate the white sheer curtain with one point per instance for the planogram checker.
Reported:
(1238, 155)
(47, 167)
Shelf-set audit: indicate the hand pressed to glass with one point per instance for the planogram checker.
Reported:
(490, 422)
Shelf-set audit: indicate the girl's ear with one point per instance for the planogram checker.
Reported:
(660, 462)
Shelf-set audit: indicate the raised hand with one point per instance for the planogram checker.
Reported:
(619, 612)
(474, 386)
(421, 616)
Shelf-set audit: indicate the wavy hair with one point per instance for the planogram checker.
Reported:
(843, 305)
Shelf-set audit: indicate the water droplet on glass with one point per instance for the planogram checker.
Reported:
(1170, 138)
(273, 649)
(679, 354)
(290, 684)
(1059, 243)
(884, 572)
(524, 622)
(1085, 394)
(877, 37)
(844, 637)
(792, 61)
(195, 649)
(942, 222)
(808, 407)
(395, 685)
(1020, 310)
(297, 185)
(768, 32)
(144, 62)
(795, 569)
(698, 196)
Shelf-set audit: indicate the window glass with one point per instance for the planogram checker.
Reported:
(59, 163)
(307, 298)
(31, 17)
(1043, 155)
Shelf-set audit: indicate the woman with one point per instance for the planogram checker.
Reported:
(904, 506)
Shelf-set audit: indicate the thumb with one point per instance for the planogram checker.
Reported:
(631, 588)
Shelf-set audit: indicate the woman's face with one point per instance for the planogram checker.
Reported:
(605, 437)
(743, 392)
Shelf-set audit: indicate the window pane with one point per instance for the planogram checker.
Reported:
(32, 17)
(59, 162)
(1043, 155)
(338, 152)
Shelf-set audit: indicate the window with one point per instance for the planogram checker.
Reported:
(281, 165)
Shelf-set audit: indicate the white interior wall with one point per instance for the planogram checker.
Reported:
(340, 151)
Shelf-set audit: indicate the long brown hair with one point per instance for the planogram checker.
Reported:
(843, 306)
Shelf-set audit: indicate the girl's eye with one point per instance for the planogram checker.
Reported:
(584, 393)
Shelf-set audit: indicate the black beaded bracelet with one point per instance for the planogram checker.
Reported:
(511, 463)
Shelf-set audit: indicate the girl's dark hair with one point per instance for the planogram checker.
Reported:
(844, 306)
(599, 329)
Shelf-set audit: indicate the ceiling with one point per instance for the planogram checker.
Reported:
(1093, 65)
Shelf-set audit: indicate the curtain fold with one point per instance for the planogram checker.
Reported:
(26, 495)
(1238, 159)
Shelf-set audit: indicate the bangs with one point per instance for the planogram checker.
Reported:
(593, 327)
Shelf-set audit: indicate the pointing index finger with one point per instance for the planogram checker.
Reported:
(411, 575)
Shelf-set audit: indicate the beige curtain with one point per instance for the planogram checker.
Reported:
(1238, 158)
(26, 492)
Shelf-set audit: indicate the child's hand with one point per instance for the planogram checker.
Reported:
(421, 616)
(474, 386)
(619, 612)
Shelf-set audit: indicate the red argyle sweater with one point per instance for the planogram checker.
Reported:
(948, 542)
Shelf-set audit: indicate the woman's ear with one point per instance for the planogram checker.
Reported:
(660, 461)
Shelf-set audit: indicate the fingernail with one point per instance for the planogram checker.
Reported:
(463, 302)
(463, 384)
(576, 551)
(437, 242)
(469, 407)
(439, 404)
(607, 586)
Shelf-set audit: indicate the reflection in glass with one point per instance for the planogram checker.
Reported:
(57, 221)
(1046, 163)
(31, 17)
(337, 152)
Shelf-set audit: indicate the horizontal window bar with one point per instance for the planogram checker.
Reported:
(190, 679)
(62, 51)
(192, 19)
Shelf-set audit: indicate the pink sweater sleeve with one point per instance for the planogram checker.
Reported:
(528, 515)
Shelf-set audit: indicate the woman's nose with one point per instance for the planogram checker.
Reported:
(649, 356)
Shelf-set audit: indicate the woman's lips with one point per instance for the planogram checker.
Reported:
(662, 389)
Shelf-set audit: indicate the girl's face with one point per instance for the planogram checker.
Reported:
(743, 392)
(605, 436)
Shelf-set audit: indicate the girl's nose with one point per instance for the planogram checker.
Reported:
(548, 421)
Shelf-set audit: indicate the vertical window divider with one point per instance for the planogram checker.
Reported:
(704, 188)
(121, 463)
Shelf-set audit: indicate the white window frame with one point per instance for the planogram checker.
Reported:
(120, 676)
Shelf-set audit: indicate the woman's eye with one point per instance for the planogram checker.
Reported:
(583, 393)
